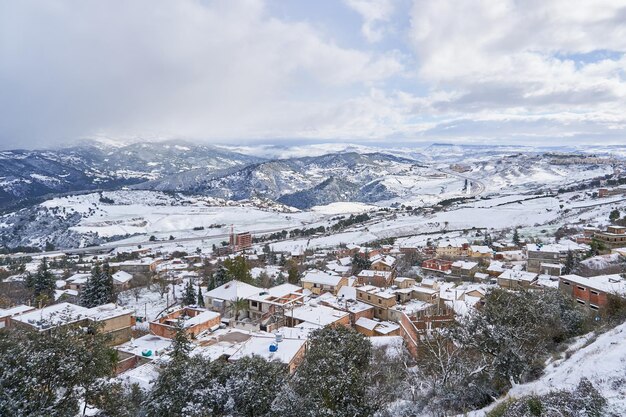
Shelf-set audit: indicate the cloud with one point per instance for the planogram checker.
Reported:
(375, 14)
(160, 68)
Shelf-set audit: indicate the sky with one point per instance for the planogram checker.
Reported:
(359, 71)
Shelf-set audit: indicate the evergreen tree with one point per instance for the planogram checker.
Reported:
(42, 283)
(238, 269)
(516, 238)
(614, 215)
(333, 378)
(280, 279)
(189, 295)
(221, 277)
(98, 289)
(181, 345)
(570, 263)
(200, 301)
(45, 374)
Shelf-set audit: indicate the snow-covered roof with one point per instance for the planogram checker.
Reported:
(464, 264)
(201, 318)
(9, 312)
(286, 349)
(233, 290)
(515, 275)
(317, 314)
(319, 277)
(610, 284)
(481, 249)
(370, 273)
(452, 242)
(122, 277)
(78, 278)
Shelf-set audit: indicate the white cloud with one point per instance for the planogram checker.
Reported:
(375, 14)
(157, 67)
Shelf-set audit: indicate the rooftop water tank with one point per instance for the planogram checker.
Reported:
(273, 347)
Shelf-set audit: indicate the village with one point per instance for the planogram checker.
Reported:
(244, 299)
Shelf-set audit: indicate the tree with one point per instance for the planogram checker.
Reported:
(152, 238)
(98, 289)
(237, 306)
(332, 380)
(280, 279)
(222, 276)
(42, 283)
(293, 274)
(238, 269)
(45, 374)
(614, 215)
(189, 294)
(516, 239)
(570, 263)
(264, 280)
(181, 345)
(360, 263)
(200, 300)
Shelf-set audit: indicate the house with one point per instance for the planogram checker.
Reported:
(121, 280)
(476, 251)
(555, 269)
(346, 300)
(437, 265)
(383, 263)
(114, 321)
(77, 282)
(377, 278)
(370, 328)
(220, 299)
(614, 237)
(137, 266)
(289, 351)
(381, 299)
(593, 292)
(514, 279)
(319, 282)
(404, 282)
(554, 253)
(429, 295)
(313, 315)
(269, 306)
(5, 314)
(452, 248)
(464, 269)
(193, 320)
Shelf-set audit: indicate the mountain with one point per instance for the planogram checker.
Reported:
(300, 182)
(28, 176)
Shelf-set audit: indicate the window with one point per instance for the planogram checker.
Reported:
(565, 282)
(593, 307)
(254, 304)
(369, 297)
(380, 301)
(580, 288)
(593, 292)
(580, 301)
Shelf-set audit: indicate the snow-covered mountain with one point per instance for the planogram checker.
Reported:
(28, 175)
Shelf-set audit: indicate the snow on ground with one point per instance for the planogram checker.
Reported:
(603, 362)
(343, 208)
(147, 212)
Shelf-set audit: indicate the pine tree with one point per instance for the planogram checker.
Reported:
(614, 215)
(181, 345)
(570, 263)
(516, 238)
(99, 287)
(200, 301)
(189, 296)
(221, 277)
(42, 283)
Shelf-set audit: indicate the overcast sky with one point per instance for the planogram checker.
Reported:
(532, 71)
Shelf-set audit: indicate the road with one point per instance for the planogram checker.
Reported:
(476, 187)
